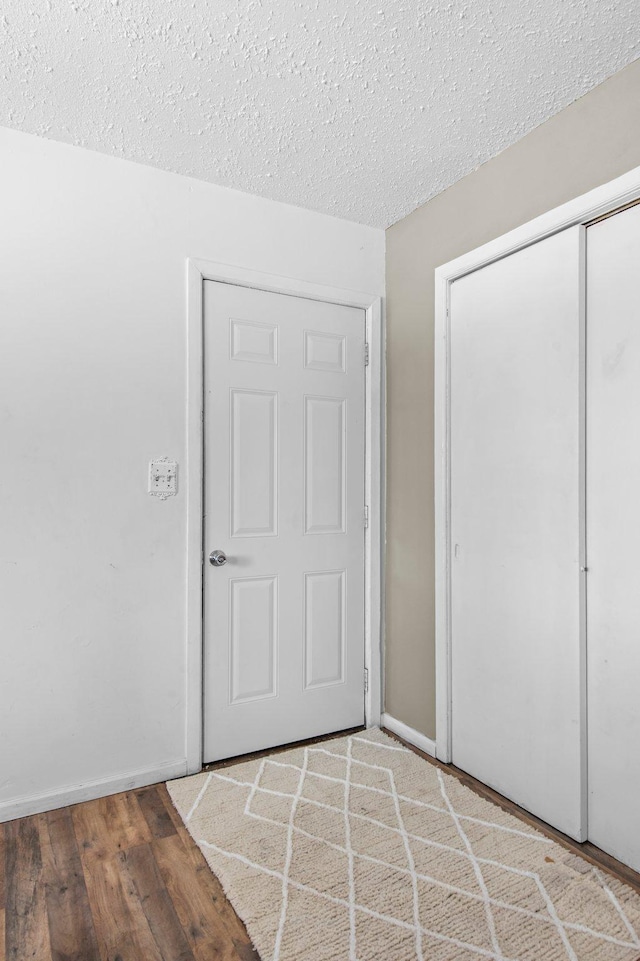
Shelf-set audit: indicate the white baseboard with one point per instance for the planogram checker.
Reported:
(89, 790)
(409, 734)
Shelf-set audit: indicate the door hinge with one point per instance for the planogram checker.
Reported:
(366, 680)
(366, 355)
(366, 516)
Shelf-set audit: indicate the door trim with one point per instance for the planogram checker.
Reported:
(197, 272)
(583, 210)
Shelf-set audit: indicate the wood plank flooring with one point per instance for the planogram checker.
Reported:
(117, 879)
(120, 879)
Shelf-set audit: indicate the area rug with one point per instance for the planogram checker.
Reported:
(356, 849)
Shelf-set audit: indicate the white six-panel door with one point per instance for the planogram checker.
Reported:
(613, 533)
(517, 675)
(284, 502)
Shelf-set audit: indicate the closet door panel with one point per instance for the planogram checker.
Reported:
(613, 534)
(515, 528)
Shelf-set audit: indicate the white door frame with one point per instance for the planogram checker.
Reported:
(197, 272)
(582, 210)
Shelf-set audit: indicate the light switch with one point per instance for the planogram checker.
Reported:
(163, 478)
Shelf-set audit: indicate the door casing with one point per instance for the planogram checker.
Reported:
(197, 272)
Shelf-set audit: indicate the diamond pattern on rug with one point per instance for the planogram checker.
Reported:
(358, 850)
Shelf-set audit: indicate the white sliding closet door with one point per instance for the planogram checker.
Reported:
(515, 530)
(613, 533)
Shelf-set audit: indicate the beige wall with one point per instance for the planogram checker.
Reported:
(592, 141)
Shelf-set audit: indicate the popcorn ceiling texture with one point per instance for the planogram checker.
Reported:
(358, 109)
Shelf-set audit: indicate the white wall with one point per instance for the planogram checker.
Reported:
(92, 386)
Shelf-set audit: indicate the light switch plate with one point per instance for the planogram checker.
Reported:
(163, 478)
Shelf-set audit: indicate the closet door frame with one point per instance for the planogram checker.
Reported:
(583, 210)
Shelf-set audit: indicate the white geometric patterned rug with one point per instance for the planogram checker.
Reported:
(355, 849)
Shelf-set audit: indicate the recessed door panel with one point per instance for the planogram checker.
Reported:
(256, 343)
(324, 351)
(325, 464)
(324, 628)
(254, 463)
(284, 504)
(253, 637)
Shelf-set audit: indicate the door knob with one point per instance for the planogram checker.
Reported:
(217, 558)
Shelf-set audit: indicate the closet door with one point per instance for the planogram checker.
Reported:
(613, 533)
(515, 528)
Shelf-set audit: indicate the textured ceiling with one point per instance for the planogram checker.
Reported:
(360, 109)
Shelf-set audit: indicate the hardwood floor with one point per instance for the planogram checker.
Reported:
(117, 879)
(120, 879)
